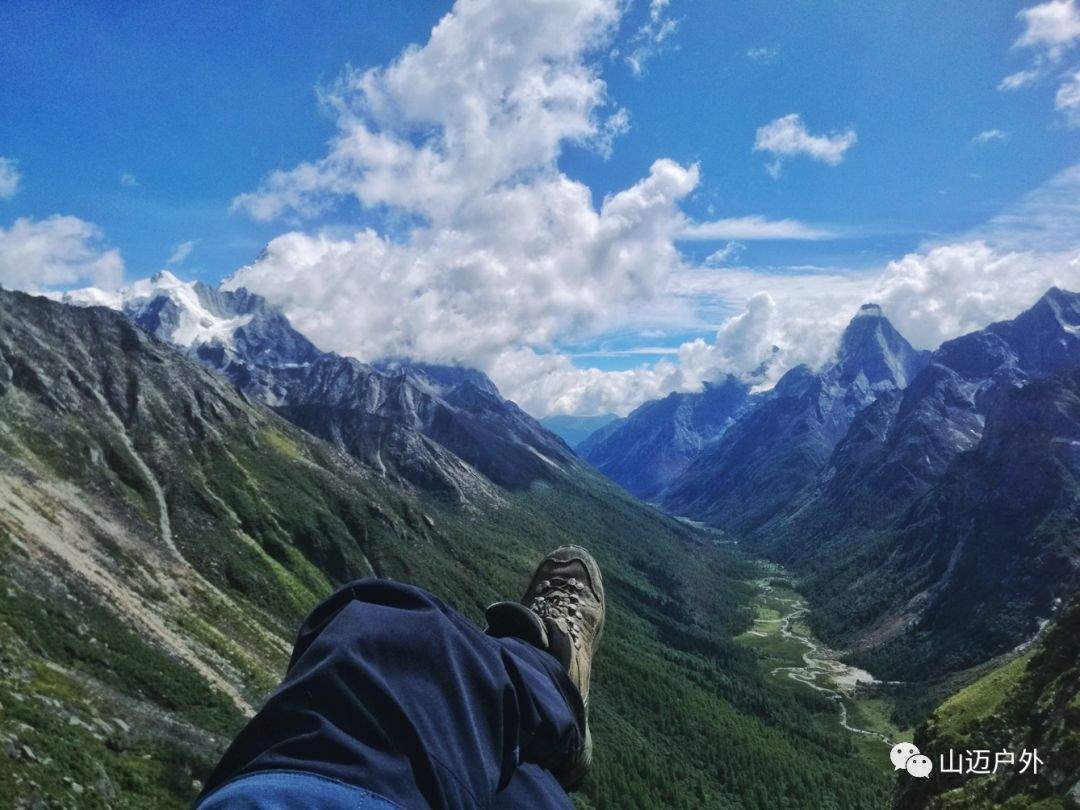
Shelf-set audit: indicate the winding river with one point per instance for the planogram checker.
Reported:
(822, 670)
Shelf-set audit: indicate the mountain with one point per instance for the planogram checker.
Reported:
(1030, 702)
(162, 533)
(938, 532)
(575, 429)
(656, 442)
(777, 446)
(440, 427)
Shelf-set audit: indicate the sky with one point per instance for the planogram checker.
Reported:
(597, 202)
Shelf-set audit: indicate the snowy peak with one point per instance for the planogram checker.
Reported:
(185, 313)
(872, 349)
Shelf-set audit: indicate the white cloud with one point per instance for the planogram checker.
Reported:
(787, 137)
(728, 253)
(1051, 27)
(763, 54)
(181, 252)
(616, 124)
(535, 263)
(753, 228)
(988, 135)
(1022, 78)
(488, 102)
(128, 180)
(651, 37)
(810, 307)
(507, 259)
(1050, 30)
(953, 289)
(1067, 99)
(9, 178)
(550, 383)
(38, 255)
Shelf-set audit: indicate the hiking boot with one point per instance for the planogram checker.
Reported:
(562, 612)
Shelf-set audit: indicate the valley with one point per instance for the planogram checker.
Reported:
(223, 487)
(795, 658)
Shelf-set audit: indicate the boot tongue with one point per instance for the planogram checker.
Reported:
(514, 620)
(558, 643)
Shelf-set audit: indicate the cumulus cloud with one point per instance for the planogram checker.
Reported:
(807, 309)
(990, 135)
(180, 253)
(953, 289)
(489, 101)
(787, 137)
(128, 180)
(9, 178)
(550, 383)
(728, 253)
(1051, 27)
(39, 255)
(535, 264)
(505, 260)
(1022, 78)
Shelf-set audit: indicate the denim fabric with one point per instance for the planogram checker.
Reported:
(288, 790)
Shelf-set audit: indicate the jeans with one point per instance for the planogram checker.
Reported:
(391, 695)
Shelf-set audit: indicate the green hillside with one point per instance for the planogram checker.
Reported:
(1031, 701)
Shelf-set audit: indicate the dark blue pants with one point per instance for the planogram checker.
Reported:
(391, 691)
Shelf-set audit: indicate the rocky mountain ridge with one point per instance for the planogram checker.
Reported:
(927, 499)
(446, 428)
(778, 445)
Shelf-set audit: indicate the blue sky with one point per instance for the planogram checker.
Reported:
(149, 120)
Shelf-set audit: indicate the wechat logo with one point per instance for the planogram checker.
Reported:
(905, 756)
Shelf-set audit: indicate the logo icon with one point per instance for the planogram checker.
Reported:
(900, 754)
(919, 766)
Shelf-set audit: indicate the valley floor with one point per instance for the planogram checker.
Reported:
(795, 658)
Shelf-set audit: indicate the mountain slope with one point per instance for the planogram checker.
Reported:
(943, 412)
(977, 562)
(928, 540)
(649, 448)
(389, 413)
(1029, 703)
(162, 535)
(778, 446)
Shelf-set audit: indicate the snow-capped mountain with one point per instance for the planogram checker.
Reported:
(440, 427)
(184, 313)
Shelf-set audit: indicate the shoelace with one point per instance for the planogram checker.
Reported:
(558, 598)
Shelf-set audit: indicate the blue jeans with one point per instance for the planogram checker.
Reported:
(393, 697)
